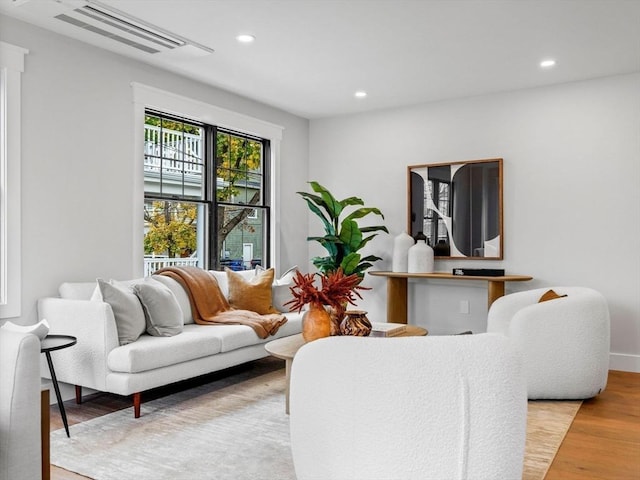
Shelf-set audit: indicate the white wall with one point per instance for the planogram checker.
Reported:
(77, 152)
(571, 192)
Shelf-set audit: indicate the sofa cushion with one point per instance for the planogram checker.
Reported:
(148, 353)
(233, 337)
(252, 294)
(223, 283)
(181, 296)
(281, 291)
(162, 313)
(127, 310)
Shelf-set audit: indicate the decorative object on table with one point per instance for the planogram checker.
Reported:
(479, 272)
(336, 290)
(420, 236)
(316, 323)
(355, 323)
(401, 245)
(343, 238)
(384, 329)
(441, 249)
(420, 258)
(40, 329)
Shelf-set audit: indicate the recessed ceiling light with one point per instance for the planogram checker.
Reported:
(245, 38)
(547, 63)
(360, 94)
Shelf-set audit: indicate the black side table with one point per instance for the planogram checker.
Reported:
(49, 344)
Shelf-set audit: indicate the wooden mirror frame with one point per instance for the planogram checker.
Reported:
(474, 214)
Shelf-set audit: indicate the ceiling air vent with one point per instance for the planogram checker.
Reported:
(122, 28)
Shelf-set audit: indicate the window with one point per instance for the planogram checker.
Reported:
(198, 182)
(434, 226)
(147, 100)
(11, 68)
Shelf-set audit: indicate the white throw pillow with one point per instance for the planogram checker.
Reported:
(181, 296)
(162, 313)
(280, 290)
(127, 310)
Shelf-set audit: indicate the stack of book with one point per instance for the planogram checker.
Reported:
(386, 329)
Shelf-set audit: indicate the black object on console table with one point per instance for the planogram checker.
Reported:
(479, 272)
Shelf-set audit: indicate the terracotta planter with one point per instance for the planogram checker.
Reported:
(316, 323)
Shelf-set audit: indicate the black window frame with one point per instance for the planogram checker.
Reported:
(211, 258)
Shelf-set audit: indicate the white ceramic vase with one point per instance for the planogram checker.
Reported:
(401, 245)
(420, 258)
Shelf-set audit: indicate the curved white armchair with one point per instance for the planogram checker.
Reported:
(448, 407)
(564, 342)
(19, 406)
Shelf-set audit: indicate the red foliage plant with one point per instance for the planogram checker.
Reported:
(336, 289)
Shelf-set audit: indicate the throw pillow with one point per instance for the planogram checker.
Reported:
(127, 310)
(181, 296)
(223, 282)
(281, 289)
(252, 294)
(549, 295)
(162, 313)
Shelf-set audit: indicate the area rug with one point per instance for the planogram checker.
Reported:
(547, 425)
(236, 430)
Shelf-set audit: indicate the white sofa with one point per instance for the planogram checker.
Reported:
(99, 361)
(19, 406)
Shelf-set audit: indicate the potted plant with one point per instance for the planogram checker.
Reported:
(343, 238)
(336, 290)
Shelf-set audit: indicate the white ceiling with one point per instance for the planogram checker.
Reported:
(310, 56)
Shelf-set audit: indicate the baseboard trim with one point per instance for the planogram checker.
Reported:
(624, 362)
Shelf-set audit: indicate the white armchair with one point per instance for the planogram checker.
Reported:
(19, 406)
(564, 342)
(448, 407)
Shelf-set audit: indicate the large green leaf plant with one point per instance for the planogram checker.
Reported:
(343, 238)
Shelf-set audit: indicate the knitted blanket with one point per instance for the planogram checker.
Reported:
(209, 306)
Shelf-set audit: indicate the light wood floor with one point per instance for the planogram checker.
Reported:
(603, 442)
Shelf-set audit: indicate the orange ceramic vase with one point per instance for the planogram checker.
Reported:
(316, 323)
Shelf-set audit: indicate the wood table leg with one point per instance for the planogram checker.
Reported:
(44, 434)
(496, 290)
(397, 311)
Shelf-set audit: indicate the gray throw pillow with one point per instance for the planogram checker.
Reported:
(161, 309)
(126, 308)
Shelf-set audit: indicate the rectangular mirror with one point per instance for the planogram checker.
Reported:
(458, 207)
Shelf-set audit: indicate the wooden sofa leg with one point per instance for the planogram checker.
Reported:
(78, 394)
(136, 404)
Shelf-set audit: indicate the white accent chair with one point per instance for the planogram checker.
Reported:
(447, 407)
(20, 451)
(564, 342)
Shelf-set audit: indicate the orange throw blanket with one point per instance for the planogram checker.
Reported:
(209, 306)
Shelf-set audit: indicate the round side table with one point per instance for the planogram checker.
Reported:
(49, 344)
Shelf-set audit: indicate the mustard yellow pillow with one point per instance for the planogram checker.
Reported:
(550, 295)
(253, 294)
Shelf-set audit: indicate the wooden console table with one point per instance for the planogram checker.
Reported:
(397, 288)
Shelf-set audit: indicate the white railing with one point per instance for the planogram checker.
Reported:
(180, 152)
(152, 264)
